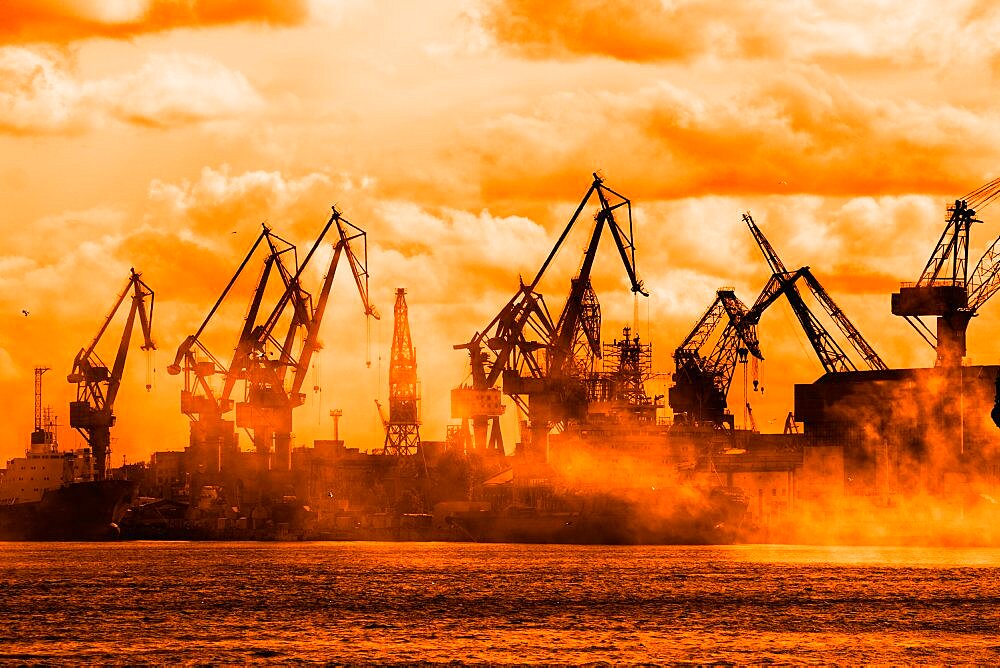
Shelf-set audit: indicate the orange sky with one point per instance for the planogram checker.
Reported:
(460, 135)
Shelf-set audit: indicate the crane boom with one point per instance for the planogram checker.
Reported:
(848, 329)
(985, 281)
(831, 355)
(359, 270)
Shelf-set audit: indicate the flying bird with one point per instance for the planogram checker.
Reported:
(25, 312)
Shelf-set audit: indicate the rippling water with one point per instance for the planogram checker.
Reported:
(403, 602)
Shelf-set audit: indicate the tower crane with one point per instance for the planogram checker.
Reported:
(213, 438)
(272, 367)
(945, 289)
(540, 359)
(402, 429)
(97, 386)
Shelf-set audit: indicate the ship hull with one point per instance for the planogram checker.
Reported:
(78, 511)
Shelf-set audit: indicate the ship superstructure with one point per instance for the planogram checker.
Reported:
(51, 494)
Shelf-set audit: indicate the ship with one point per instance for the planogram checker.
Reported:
(53, 495)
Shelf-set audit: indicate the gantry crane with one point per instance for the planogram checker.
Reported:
(945, 289)
(541, 360)
(701, 383)
(214, 442)
(92, 414)
(275, 368)
(402, 428)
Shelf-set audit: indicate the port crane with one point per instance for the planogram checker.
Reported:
(97, 386)
(269, 357)
(265, 359)
(945, 288)
(213, 437)
(540, 359)
(701, 383)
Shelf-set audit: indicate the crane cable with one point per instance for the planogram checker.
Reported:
(150, 368)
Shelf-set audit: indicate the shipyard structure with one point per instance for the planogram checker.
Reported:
(868, 454)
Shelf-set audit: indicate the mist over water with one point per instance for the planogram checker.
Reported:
(399, 602)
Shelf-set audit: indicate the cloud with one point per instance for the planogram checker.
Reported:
(175, 89)
(882, 35)
(181, 238)
(220, 202)
(60, 21)
(40, 94)
(800, 131)
(641, 30)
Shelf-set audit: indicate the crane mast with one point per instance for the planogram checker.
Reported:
(402, 429)
(97, 386)
(40, 436)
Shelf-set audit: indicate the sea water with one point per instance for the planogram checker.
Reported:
(155, 602)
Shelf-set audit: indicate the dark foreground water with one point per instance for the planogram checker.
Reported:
(384, 602)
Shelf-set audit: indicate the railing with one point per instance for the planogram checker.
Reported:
(936, 282)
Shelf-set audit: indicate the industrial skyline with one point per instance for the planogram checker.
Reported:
(460, 136)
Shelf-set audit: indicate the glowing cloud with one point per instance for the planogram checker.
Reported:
(25, 21)
(40, 95)
(797, 132)
(888, 35)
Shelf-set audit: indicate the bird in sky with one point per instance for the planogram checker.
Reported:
(25, 312)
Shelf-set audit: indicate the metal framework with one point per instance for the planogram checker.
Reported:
(945, 288)
(92, 414)
(39, 436)
(272, 355)
(702, 382)
(402, 429)
(275, 365)
(627, 365)
(830, 354)
(542, 361)
(213, 437)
